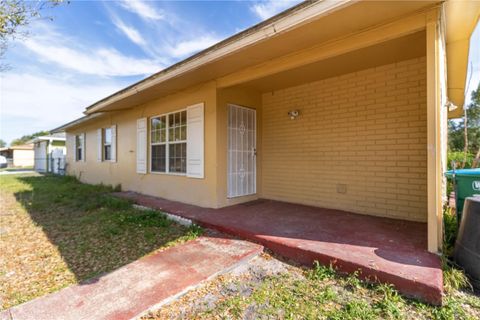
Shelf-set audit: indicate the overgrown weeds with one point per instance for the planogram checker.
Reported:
(450, 230)
(321, 293)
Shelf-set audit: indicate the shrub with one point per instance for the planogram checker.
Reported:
(454, 278)
(450, 230)
(458, 157)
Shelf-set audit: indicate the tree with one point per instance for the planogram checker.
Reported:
(466, 138)
(17, 14)
(24, 139)
(2, 143)
(473, 126)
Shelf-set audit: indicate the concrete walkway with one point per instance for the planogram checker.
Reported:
(20, 171)
(385, 250)
(133, 289)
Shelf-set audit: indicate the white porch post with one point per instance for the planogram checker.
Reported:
(434, 125)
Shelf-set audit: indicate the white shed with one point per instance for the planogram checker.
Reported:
(50, 153)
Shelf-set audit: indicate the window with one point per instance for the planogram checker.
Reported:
(107, 144)
(79, 147)
(168, 139)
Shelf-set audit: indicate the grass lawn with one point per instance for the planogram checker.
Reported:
(293, 292)
(56, 231)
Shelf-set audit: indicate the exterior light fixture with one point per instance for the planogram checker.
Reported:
(293, 114)
(450, 106)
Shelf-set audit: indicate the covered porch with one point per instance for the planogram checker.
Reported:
(381, 249)
(365, 135)
(368, 131)
(355, 125)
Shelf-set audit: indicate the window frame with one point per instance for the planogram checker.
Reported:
(79, 146)
(104, 143)
(167, 143)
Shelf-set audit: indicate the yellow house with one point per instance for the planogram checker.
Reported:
(335, 104)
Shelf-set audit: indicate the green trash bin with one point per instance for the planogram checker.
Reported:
(467, 184)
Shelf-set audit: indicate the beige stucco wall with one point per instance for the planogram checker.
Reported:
(180, 188)
(365, 130)
(23, 158)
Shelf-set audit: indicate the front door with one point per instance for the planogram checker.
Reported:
(242, 136)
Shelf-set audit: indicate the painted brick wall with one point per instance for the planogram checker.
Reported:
(365, 130)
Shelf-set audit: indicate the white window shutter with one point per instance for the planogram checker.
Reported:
(99, 145)
(75, 158)
(195, 141)
(142, 145)
(84, 137)
(114, 143)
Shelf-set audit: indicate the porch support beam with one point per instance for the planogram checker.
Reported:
(434, 155)
(328, 49)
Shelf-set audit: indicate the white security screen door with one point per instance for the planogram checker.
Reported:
(242, 145)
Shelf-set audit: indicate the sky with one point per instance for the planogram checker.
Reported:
(473, 73)
(91, 49)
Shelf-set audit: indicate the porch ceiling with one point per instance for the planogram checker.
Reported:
(403, 48)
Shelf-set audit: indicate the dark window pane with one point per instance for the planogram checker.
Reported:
(171, 159)
(184, 150)
(183, 116)
(79, 144)
(183, 158)
(162, 136)
(153, 136)
(177, 158)
(158, 158)
(183, 133)
(163, 123)
(107, 152)
(177, 134)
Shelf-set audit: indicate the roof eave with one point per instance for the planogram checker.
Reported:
(46, 138)
(75, 123)
(461, 20)
(293, 17)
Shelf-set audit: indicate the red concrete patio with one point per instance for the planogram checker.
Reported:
(385, 250)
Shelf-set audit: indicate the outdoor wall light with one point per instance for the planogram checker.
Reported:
(450, 106)
(293, 114)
